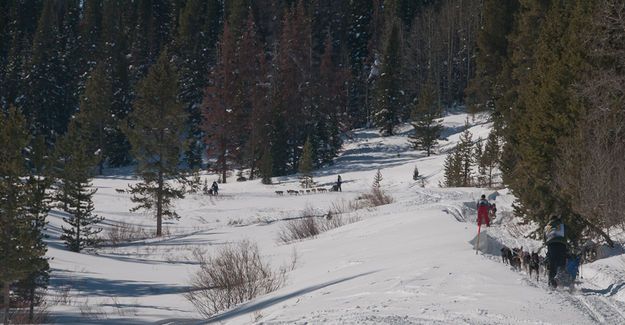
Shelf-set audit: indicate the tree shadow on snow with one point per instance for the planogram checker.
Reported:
(72, 318)
(609, 291)
(91, 286)
(250, 307)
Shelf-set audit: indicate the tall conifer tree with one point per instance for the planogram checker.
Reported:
(294, 87)
(18, 247)
(465, 151)
(545, 112)
(77, 164)
(254, 95)
(221, 109)
(155, 129)
(330, 100)
(194, 46)
(492, 52)
(40, 180)
(388, 86)
(359, 34)
(427, 130)
(114, 47)
(45, 95)
(305, 165)
(95, 114)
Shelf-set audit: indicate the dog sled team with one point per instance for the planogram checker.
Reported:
(561, 266)
(334, 188)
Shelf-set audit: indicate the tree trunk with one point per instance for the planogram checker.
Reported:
(77, 245)
(159, 206)
(594, 228)
(101, 150)
(224, 171)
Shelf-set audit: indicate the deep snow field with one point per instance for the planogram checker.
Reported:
(409, 262)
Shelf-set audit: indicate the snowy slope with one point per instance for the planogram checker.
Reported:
(409, 262)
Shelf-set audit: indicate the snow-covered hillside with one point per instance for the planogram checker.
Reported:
(410, 262)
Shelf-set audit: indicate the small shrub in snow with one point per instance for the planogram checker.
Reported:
(124, 232)
(297, 229)
(235, 222)
(332, 221)
(235, 274)
(21, 314)
(311, 226)
(376, 198)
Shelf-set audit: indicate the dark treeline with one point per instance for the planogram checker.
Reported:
(551, 72)
(254, 76)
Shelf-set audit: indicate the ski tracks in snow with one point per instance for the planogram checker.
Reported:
(600, 308)
(603, 310)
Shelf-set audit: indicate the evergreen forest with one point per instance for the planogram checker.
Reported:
(256, 89)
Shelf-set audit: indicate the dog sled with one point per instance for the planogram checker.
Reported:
(566, 276)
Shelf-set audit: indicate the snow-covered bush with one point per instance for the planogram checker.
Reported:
(297, 229)
(376, 198)
(235, 274)
(311, 226)
(122, 232)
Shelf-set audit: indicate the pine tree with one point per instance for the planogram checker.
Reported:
(39, 182)
(329, 100)
(89, 31)
(95, 114)
(490, 158)
(279, 141)
(492, 52)
(294, 88)
(254, 95)
(549, 59)
(306, 164)
(157, 129)
(46, 101)
(478, 153)
(75, 175)
(18, 26)
(359, 36)
(415, 173)
(388, 86)
(18, 246)
(221, 108)
(466, 155)
(151, 32)
(453, 169)
(194, 48)
(266, 166)
(114, 47)
(213, 21)
(236, 15)
(377, 180)
(427, 129)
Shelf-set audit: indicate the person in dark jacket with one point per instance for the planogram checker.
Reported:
(215, 188)
(556, 248)
(338, 183)
(482, 211)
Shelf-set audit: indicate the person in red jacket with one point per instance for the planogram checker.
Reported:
(482, 211)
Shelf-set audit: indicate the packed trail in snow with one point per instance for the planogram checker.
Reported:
(411, 261)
